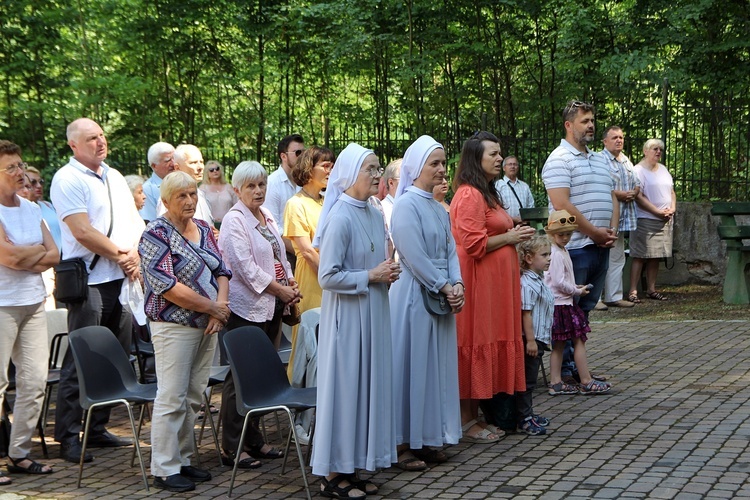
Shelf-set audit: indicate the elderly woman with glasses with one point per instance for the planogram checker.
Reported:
(187, 297)
(262, 288)
(26, 249)
(355, 410)
(655, 207)
(490, 346)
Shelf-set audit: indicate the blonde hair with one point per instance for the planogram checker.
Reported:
(175, 181)
(207, 167)
(530, 248)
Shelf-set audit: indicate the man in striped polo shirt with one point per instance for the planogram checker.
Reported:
(578, 180)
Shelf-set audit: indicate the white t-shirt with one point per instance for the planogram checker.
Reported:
(23, 227)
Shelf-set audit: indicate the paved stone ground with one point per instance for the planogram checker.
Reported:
(677, 425)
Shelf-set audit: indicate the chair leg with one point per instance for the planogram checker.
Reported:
(83, 445)
(544, 373)
(311, 434)
(137, 444)
(207, 404)
(237, 455)
(144, 407)
(299, 453)
(214, 431)
(40, 427)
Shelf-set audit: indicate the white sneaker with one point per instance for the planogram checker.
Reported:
(302, 436)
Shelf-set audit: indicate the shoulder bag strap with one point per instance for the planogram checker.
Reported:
(111, 223)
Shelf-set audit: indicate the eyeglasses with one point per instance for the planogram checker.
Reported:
(12, 169)
(213, 169)
(374, 172)
(296, 152)
(565, 220)
(326, 165)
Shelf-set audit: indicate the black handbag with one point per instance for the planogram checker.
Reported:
(71, 275)
(435, 303)
(72, 281)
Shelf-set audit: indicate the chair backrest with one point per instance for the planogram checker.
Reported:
(102, 366)
(256, 368)
(57, 331)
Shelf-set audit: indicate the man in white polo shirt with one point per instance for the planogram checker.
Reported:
(87, 193)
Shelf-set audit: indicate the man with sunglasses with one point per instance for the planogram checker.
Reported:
(281, 185)
(578, 180)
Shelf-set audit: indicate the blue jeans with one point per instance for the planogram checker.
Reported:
(590, 265)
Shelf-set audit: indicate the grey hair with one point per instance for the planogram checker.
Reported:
(248, 171)
(176, 181)
(392, 170)
(157, 150)
(653, 142)
(179, 152)
(134, 181)
(505, 160)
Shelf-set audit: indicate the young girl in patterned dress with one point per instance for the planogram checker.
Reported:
(569, 323)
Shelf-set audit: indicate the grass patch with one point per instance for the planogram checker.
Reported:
(686, 302)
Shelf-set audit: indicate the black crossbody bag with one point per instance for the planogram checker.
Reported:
(71, 275)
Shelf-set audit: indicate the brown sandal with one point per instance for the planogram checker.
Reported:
(410, 463)
(633, 297)
(656, 296)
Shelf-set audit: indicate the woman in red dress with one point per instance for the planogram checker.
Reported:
(490, 346)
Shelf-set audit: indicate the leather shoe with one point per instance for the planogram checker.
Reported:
(195, 474)
(176, 483)
(107, 440)
(70, 451)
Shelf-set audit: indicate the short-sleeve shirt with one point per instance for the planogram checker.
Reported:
(168, 258)
(280, 189)
(77, 189)
(657, 187)
(23, 227)
(537, 298)
(587, 177)
(623, 175)
(505, 188)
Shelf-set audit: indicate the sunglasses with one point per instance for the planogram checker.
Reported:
(296, 152)
(39, 182)
(213, 169)
(565, 220)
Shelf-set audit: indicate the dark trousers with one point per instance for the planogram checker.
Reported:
(102, 307)
(524, 405)
(231, 420)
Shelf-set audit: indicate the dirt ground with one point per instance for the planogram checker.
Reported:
(686, 302)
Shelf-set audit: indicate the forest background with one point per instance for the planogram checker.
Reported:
(233, 77)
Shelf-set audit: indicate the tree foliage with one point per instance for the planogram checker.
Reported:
(238, 75)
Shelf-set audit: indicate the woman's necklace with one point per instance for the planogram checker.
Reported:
(318, 200)
(372, 243)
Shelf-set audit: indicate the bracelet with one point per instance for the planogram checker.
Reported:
(460, 283)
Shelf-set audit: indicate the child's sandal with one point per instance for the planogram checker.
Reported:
(594, 387)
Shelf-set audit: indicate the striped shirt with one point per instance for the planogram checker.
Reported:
(587, 177)
(505, 187)
(625, 179)
(537, 298)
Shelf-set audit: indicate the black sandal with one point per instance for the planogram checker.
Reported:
(362, 484)
(332, 489)
(244, 463)
(271, 454)
(656, 296)
(33, 468)
(4, 480)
